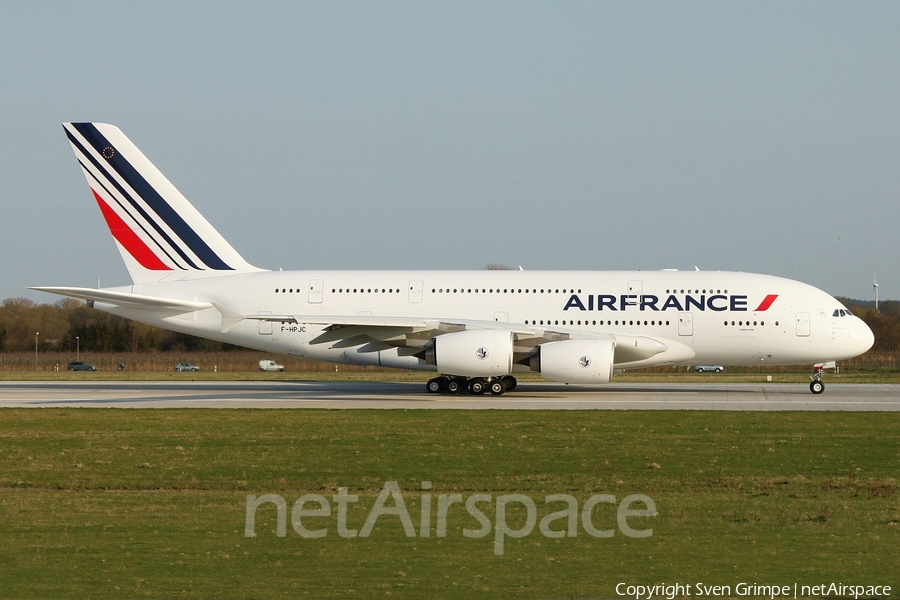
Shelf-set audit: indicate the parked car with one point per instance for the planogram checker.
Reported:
(713, 368)
(77, 365)
(270, 365)
(186, 367)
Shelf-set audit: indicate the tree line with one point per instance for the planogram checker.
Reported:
(69, 323)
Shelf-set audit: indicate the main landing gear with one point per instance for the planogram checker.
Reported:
(449, 384)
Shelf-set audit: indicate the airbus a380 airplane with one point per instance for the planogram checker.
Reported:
(473, 328)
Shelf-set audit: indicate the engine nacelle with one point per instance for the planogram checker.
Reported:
(475, 353)
(575, 361)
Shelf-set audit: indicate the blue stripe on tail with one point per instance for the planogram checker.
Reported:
(152, 198)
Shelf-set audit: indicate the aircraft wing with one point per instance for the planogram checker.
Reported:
(373, 334)
(380, 333)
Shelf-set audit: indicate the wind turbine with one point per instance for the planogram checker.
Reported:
(875, 288)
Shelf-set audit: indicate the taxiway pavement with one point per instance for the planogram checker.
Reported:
(378, 395)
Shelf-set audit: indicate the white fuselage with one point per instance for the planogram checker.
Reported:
(703, 316)
(474, 327)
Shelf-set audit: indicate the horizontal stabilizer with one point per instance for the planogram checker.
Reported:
(126, 299)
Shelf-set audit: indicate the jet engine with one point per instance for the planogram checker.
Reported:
(575, 361)
(473, 353)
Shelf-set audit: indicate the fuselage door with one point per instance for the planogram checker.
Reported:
(265, 327)
(315, 291)
(415, 290)
(685, 323)
(802, 324)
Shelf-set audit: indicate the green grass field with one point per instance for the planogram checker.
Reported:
(152, 503)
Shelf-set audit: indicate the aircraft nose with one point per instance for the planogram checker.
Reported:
(862, 336)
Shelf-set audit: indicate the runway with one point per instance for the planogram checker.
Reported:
(377, 395)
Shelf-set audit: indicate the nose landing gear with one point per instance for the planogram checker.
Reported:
(817, 386)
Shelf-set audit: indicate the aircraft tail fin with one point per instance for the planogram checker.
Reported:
(160, 235)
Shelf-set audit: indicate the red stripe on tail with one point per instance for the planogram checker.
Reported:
(129, 239)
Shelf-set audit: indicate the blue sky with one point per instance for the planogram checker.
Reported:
(757, 136)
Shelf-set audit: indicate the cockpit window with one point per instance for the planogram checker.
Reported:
(836, 313)
(841, 312)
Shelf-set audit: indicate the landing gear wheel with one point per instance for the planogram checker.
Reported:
(435, 385)
(816, 387)
(453, 386)
(510, 382)
(497, 386)
(477, 386)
